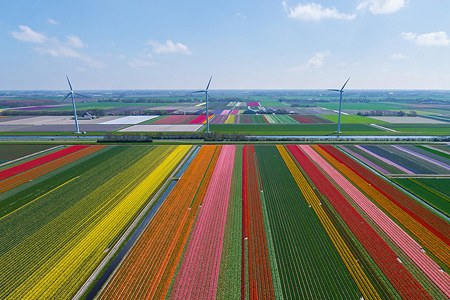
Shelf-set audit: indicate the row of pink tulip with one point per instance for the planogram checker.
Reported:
(198, 274)
(385, 160)
(423, 157)
(408, 245)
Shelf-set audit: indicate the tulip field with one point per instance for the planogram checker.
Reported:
(238, 222)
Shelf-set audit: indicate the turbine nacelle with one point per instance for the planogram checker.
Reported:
(205, 91)
(340, 103)
(72, 95)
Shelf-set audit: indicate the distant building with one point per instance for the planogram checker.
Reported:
(87, 116)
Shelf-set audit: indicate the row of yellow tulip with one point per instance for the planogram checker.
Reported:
(367, 289)
(65, 270)
(427, 238)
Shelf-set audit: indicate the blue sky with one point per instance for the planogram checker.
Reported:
(245, 44)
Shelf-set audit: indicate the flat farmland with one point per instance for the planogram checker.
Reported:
(409, 120)
(106, 106)
(164, 128)
(69, 129)
(235, 222)
(55, 120)
(401, 160)
(363, 105)
(423, 129)
(12, 152)
(131, 120)
(58, 245)
(294, 129)
(354, 119)
(434, 191)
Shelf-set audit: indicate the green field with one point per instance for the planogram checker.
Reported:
(11, 152)
(81, 106)
(100, 187)
(273, 103)
(294, 129)
(300, 241)
(280, 119)
(353, 119)
(439, 153)
(151, 121)
(434, 191)
(229, 284)
(422, 129)
(362, 105)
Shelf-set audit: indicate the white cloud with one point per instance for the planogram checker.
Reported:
(398, 56)
(240, 16)
(138, 62)
(26, 34)
(409, 36)
(169, 47)
(143, 61)
(438, 38)
(316, 61)
(379, 7)
(74, 41)
(57, 49)
(314, 12)
(52, 46)
(52, 21)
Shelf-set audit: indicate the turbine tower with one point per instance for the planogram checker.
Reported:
(207, 100)
(340, 104)
(72, 94)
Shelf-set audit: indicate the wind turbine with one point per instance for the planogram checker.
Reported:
(72, 94)
(340, 104)
(207, 100)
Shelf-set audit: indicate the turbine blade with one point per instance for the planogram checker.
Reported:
(81, 95)
(196, 92)
(68, 81)
(209, 82)
(333, 90)
(67, 96)
(345, 84)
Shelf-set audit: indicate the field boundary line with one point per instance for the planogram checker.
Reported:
(52, 190)
(383, 128)
(113, 251)
(30, 155)
(437, 176)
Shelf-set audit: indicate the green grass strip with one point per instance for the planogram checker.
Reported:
(21, 197)
(433, 191)
(229, 285)
(308, 263)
